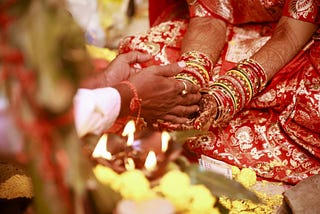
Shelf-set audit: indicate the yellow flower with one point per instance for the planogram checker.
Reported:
(226, 202)
(105, 174)
(202, 199)
(211, 211)
(174, 183)
(235, 171)
(239, 205)
(174, 186)
(103, 53)
(133, 185)
(242, 212)
(247, 177)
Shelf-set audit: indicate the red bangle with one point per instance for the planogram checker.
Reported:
(135, 103)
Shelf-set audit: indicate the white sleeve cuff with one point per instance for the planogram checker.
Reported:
(95, 110)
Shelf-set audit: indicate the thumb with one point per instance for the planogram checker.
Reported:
(171, 69)
(135, 56)
(99, 64)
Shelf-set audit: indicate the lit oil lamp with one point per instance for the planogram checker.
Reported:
(150, 152)
(101, 150)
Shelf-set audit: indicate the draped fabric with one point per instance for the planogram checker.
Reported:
(278, 133)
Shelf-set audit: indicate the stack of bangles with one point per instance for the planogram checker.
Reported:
(198, 68)
(236, 88)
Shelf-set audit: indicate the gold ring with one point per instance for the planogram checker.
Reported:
(184, 91)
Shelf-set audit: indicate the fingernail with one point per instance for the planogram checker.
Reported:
(182, 64)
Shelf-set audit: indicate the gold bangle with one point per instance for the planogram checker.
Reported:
(245, 79)
(229, 91)
(186, 78)
(200, 67)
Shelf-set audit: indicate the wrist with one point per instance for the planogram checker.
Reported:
(130, 102)
(198, 68)
(126, 96)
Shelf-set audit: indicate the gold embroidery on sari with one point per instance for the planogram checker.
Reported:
(301, 8)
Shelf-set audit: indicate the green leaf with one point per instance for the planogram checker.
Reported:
(180, 137)
(219, 185)
(102, 199)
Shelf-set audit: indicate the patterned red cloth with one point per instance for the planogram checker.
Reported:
(278, 133)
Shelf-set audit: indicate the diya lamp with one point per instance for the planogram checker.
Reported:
(150, 152)
(114, 152)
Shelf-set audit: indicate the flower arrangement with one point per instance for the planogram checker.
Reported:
(182, 183)
(176, 188)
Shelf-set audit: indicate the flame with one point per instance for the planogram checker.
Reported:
(151, 161)
(101, 148)
(129, 130)
(165, 137)
(129, 164)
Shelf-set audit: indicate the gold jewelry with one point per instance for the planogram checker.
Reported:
(184, 92)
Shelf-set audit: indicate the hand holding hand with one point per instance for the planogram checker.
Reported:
(202, 121)
(108, 74)
(122, 67)
(161, 94)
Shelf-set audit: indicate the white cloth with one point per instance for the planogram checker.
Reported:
(95, 110)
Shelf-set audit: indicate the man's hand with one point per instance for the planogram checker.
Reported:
(202, 119)
(162, 96)
(108, 74)
(121, 67)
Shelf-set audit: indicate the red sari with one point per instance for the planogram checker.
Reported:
(278, 133)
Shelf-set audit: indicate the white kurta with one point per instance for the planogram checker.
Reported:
(95, 110)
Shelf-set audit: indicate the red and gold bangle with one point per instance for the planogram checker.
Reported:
(198, 67)
(201, 69)
(227, 98)
(251, 76)
(194, 71)
(199, 58)
(228, 90)
(135, 103)
(191, 78)
(258, 71)
(245, 83)
(226, 109)
(236, 88)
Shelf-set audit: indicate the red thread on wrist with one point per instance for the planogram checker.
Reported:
(135, 103)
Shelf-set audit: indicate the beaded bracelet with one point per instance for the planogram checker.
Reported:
(135, 103)
(198, 68)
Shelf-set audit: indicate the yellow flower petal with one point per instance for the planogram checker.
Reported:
(247, 177)
(105, 174)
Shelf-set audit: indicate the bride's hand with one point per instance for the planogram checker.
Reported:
(207, 113)
(162, 125)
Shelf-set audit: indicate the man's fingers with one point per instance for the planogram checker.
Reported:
(135, 56)
(169, 70)
(184, 111)
(175, 119)
(100, 64)
(188, 99)
(191, 88)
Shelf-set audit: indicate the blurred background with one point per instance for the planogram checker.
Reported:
(107, 21)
